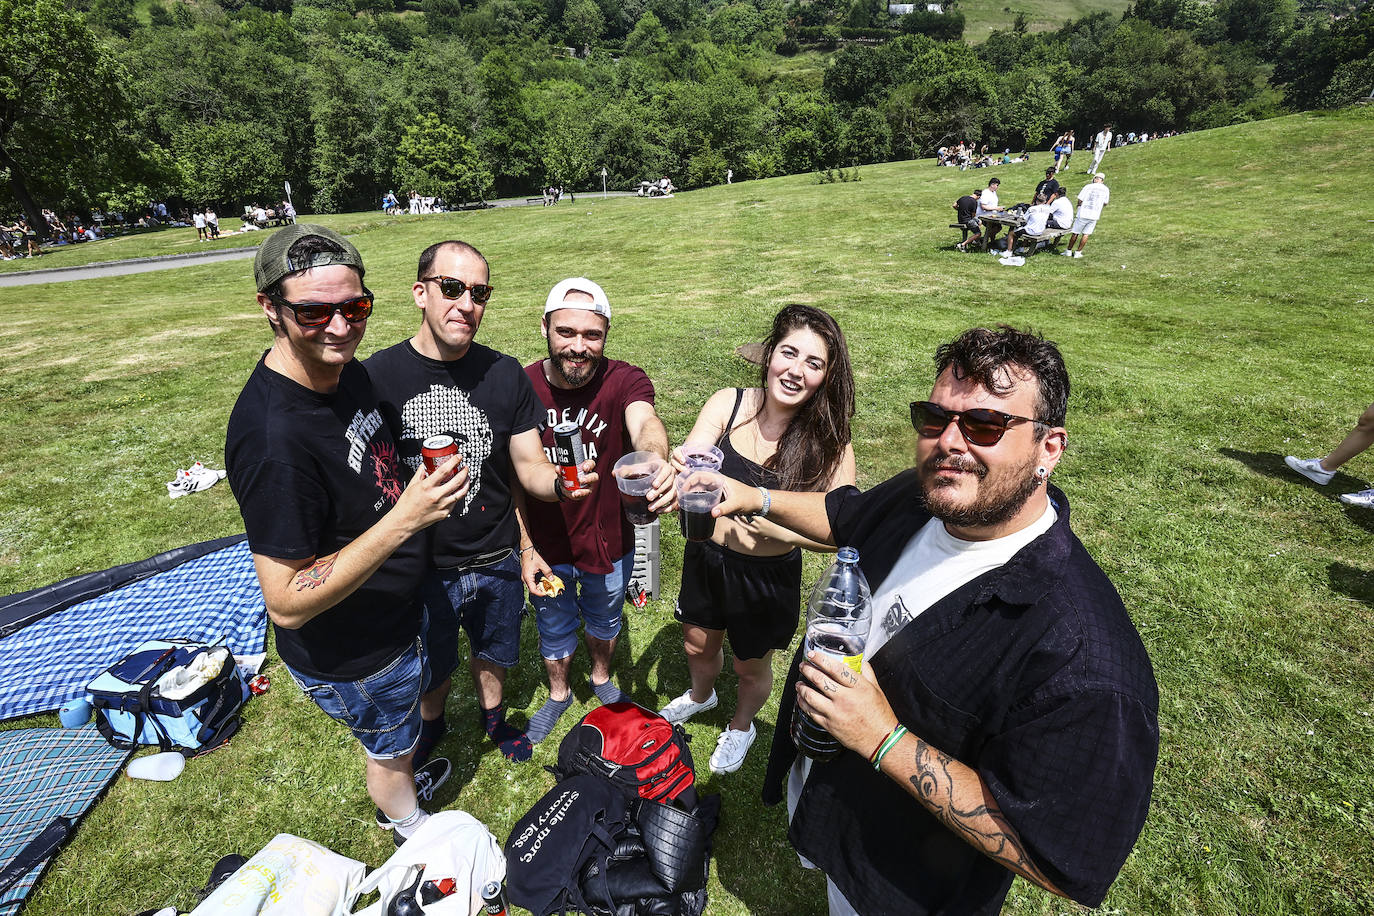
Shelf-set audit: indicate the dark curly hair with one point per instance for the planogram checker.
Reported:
(992, 358)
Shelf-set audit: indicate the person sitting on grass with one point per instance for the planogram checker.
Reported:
(1321, 470)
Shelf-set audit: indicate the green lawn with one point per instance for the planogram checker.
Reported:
(1216, 323)
(981, 17)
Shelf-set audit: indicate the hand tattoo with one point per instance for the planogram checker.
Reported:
(983, 826)
(314, 575)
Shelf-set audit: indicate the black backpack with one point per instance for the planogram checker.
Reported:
(622, 833)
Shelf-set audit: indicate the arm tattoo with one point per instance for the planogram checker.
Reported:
(983, 826)
(314, 575)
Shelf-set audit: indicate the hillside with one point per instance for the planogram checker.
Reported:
(981, 17)
(1216, 323)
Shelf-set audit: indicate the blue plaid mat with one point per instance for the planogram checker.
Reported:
(51, 661)
(47, 773)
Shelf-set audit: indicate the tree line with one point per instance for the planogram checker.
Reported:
(111, 103)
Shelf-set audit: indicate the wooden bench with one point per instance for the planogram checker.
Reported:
(1049, 236)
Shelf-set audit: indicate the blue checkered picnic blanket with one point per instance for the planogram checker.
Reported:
(51, 661)
(47, 773)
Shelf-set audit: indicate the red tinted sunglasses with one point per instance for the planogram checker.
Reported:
(979, 425)
(319, 314)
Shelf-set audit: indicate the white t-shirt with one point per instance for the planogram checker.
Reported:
(1037, 218)
(199, 220)
(987, 201)
(1092, 199)
(1104, 140)
(1062, 212)
(935, 563)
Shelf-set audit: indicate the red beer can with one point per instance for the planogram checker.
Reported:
(436, 450)
(259, 684)
(568, 453)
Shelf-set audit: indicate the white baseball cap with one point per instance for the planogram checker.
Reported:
(599, 304)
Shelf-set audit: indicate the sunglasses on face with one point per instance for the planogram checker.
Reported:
(319, 314)
(979, 425)
(453, 288)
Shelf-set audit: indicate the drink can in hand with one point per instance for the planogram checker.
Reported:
(435, 450)
(568, 453)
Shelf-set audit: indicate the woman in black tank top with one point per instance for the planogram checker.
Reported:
(791, 433)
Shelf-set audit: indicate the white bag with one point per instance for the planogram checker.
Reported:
(287, 877)
(450, 844)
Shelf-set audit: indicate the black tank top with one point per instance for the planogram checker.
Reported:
(736, 465)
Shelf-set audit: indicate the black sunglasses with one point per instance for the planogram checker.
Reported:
(453, 288)
(979, 425)
(319, 314)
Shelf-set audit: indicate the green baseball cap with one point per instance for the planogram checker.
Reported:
(272, 263)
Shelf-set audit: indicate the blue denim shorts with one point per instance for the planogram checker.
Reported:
(594, 598)
(383, 709)
(487, 601)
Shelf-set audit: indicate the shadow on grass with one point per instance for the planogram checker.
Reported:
(1271, 464)
(1352, 582)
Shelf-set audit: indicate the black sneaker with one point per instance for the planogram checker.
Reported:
(428, 779)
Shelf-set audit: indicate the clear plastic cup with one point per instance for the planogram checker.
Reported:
(698, 493)
(634, 475)
(702, 456)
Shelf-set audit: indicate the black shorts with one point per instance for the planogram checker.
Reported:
(755, 600)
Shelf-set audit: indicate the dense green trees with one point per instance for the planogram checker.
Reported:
(219, 101)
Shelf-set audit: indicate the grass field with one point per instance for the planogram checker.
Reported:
(1215, 324)
(981, 17)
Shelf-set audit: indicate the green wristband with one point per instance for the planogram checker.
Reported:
(888, 744)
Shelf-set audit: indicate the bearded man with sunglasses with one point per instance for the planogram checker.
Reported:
(442, 382)
(1006, 718)
(332, 525)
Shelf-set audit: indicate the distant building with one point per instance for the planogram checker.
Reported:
(900, 9)
(935, 7)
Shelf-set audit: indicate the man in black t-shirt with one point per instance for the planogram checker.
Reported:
(1005, 721)
(966, 215)
(331, 523)
(1047, 187)
(442, 382)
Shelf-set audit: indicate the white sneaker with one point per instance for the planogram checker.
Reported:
(1364, 499)
(186, 482)
(1078, 254)
(731, 747)
(684, 707)
(212, 476)
(1311, 468)
(1067, 254)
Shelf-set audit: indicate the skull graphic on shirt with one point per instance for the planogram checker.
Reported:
(447, 411)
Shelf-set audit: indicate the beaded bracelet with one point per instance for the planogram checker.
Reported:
(888, 744)
(767, 502)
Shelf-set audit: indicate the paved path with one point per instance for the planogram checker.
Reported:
(130, 266)
(168, 261)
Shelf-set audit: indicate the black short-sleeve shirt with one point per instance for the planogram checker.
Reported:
(966, 208)
(1033, 675)
(311, 472)
(482, 400)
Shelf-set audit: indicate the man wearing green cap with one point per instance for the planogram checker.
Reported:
(331, 523)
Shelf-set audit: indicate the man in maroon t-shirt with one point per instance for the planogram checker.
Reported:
(589, 544)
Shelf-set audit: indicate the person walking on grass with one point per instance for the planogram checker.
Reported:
(1321, 470)
(1092, 200)
(745, 582)
(588, 545)
(443, 382)
(333, 526)
(1101, 143)
(1005, 720)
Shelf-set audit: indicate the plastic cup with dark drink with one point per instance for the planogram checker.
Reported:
(698, 492)
(702, 456)
(634, 475)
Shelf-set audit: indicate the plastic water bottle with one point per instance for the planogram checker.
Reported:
(837, 621)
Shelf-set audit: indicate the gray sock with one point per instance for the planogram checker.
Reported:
(608, 692)
(542, 722)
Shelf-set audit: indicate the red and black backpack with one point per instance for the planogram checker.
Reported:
(635, 748)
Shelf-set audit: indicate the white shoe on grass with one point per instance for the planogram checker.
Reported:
(731, 747)
(1311, 468)
(1364, 499)
(684, 707)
